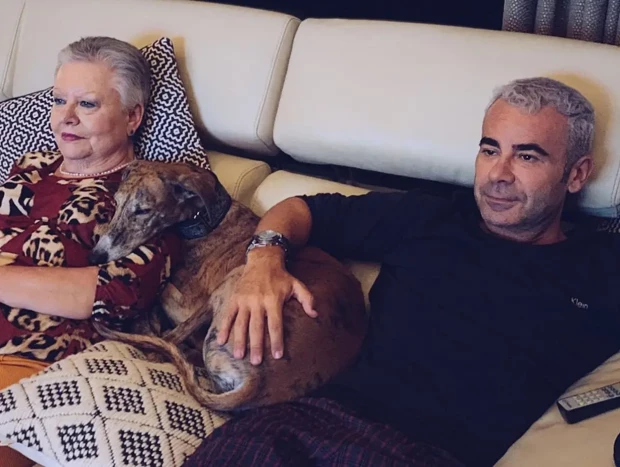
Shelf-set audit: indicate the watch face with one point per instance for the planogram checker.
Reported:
(268, 236)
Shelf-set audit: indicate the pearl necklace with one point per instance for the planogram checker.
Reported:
(97, 174)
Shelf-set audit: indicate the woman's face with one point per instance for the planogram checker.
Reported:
(88, 119)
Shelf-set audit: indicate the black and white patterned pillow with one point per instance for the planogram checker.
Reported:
(24, 127)
(167, 134)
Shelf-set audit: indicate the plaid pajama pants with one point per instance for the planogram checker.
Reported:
(312, 432)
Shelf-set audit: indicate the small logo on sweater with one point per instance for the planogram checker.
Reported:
(575, 301)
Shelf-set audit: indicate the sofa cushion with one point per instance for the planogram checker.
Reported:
(409, 99)
(241, 177)
(232, 59)
(107, 406)
(168, 132)
(283, 184)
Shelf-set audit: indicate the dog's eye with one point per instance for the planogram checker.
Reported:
(140, 211)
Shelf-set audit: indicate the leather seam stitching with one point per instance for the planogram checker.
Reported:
(268, 87)
(13, 50)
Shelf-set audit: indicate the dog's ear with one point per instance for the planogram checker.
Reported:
(196, 183)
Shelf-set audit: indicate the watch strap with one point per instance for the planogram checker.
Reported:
(269, 238)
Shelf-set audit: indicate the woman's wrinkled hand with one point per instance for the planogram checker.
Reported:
(260, 293)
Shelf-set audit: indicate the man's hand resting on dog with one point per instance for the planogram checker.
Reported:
(265, 285)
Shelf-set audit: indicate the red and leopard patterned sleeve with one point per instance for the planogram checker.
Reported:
(49, 221)
(52, 222)
(129, 285)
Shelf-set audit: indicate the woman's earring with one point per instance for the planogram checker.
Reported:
(131, 132)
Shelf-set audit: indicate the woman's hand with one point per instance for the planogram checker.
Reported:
(261, 292)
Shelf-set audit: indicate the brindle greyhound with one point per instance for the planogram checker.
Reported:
(216, 230)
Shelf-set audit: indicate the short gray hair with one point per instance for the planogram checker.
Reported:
(132, 71)
(532, 94)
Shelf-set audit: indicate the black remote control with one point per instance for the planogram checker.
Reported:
(589, 404)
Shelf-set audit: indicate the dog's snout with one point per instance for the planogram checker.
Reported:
(97, 257)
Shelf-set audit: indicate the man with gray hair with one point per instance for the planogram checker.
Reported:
(477, 316)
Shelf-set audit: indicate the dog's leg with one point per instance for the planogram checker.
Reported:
(187, 327)
(177, 306)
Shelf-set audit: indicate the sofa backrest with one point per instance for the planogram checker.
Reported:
(409, 99)
(232, 59)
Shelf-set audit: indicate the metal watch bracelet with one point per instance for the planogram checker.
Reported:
(269, 238)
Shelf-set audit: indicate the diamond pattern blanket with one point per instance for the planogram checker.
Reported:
(108, 406)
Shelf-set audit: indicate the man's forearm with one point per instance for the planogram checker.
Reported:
(292, 219)
(58, 291)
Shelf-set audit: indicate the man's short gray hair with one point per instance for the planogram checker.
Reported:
(532, 94)
(132, 72)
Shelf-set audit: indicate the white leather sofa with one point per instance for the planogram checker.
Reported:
(405, 99)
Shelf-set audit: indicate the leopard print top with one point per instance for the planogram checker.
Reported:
(49, 221)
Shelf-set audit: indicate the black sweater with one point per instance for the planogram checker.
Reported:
(472, 337)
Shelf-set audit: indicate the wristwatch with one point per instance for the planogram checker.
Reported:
(269, 238)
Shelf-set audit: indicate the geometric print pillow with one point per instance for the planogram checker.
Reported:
(24, 127)
(107, 406)
(167, 133)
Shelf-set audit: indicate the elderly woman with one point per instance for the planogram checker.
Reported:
(51, 204)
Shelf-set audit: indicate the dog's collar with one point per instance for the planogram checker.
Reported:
(208, 218)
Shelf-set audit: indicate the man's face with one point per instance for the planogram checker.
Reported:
(519, 184)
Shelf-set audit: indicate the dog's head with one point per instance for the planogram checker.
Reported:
(152, 197)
